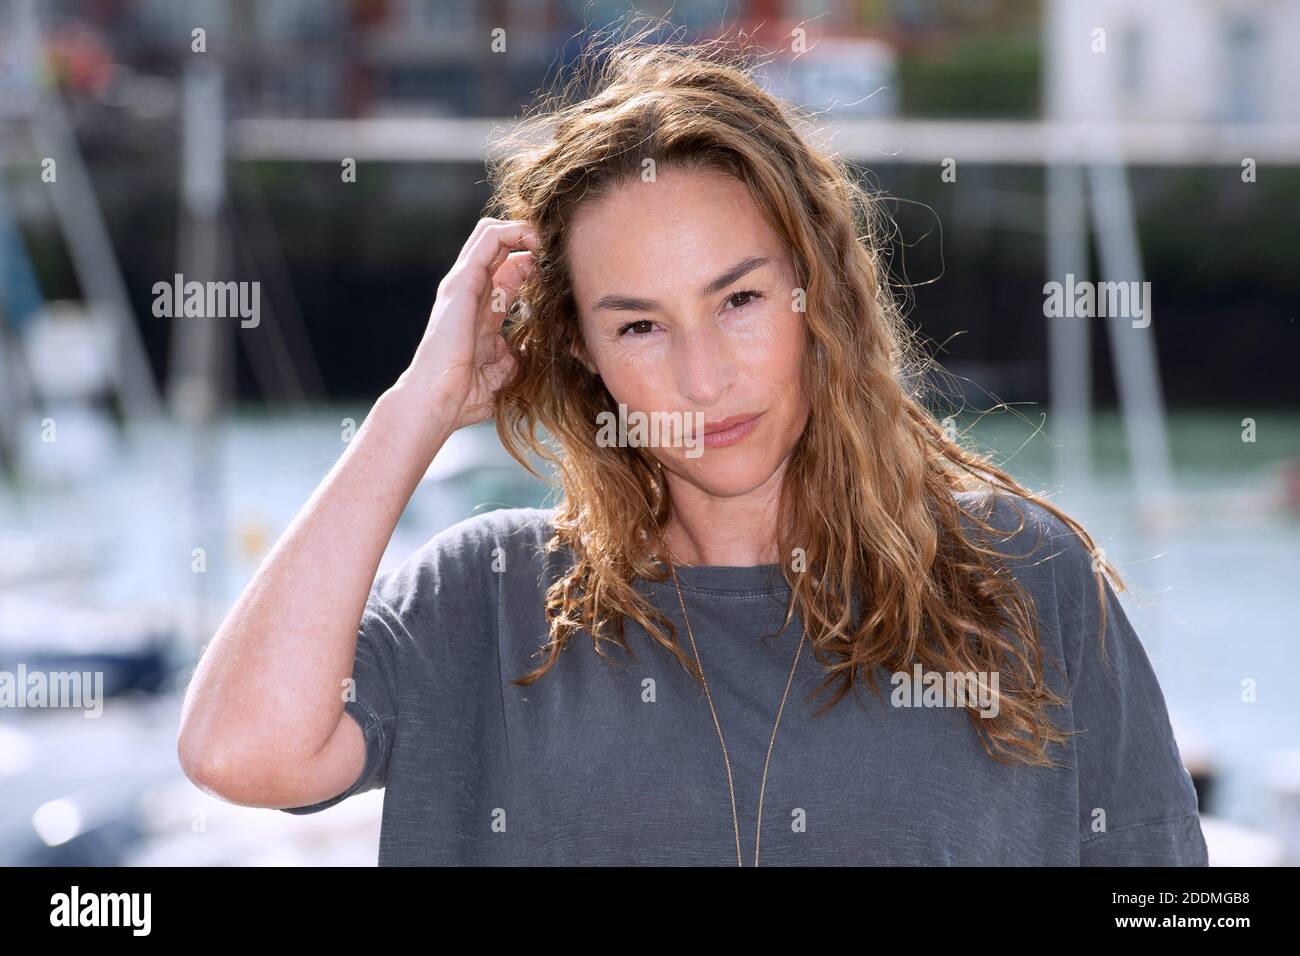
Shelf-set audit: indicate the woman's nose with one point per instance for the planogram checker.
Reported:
(704, 365)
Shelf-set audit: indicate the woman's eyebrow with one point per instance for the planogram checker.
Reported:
(627, 303)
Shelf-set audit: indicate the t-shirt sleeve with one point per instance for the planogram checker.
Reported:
(372, 701)
(1137, 803)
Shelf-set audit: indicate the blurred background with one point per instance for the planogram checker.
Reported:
(329, 154)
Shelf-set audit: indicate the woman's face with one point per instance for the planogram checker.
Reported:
(687, 304)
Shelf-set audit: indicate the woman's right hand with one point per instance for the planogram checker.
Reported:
(463, 359)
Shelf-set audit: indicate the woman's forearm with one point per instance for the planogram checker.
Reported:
(262, 710)
(267, 694)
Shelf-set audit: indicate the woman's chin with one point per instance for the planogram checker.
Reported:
(722, 477)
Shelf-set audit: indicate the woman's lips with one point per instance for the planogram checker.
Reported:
(733, 433)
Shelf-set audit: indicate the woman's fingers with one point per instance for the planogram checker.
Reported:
(491, 244)
(472, 239)
(510, 275)
(506, 280)
(504, 247)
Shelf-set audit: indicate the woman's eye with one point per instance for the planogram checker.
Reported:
(642, 327)
(748, 295)
(632, 325)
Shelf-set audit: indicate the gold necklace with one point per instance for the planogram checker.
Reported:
(735, 820)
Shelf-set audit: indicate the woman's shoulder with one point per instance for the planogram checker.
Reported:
(457, 559)
(1025, 531)
(1049, 560)
(511, 529)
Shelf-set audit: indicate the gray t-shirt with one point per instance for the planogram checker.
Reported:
(617, 761)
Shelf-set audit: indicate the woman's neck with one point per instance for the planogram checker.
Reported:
(735, 531)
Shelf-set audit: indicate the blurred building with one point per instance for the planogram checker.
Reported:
(1228, 61)
(349, 58)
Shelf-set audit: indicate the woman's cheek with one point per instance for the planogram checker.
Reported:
(640, 382)
(774, 333)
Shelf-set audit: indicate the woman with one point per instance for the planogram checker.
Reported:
(676, 249)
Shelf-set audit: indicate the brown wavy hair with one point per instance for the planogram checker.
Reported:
(869, 489)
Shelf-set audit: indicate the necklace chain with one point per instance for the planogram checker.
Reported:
(735, 820)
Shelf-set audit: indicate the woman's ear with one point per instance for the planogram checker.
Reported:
(578, 353)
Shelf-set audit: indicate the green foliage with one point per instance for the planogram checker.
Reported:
(988, 75)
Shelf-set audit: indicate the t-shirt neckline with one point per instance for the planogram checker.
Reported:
(721, 578)
(727, 578)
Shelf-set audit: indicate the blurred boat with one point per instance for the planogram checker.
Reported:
(133, 650)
